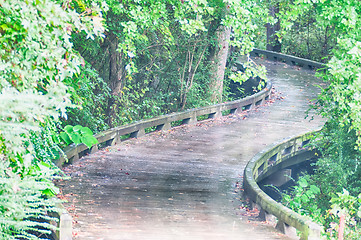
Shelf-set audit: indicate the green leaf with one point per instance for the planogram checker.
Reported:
(55, 153)
(47, 165)
(86, 131)
(65, 137)
(51, 191)
(359, 213)
(77, 128)
(56, 138)
(75, 137)
(89, 141)
(304, 198)
(303, 182)
(314, 189)
(68, 128)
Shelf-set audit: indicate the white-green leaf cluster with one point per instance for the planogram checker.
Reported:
(36, 57)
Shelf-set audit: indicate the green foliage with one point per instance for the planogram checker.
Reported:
(310, 40)
(36, 58)
(305, 32)
(251, 71)
(46, 142)
(246, 18)
(24, 206)
(90, 94)
(163, 51)
(337, 167)
(339, 103)
(31, 78)
(302, 199)
(344, 204)
(78, 134)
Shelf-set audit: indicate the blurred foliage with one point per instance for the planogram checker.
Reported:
(36, 58)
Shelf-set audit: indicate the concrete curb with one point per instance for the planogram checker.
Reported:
(270, 159)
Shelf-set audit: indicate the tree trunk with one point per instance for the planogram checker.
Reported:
(273, 44)
(115, 66)
(187, 82)
(115, 76)
(219, 60)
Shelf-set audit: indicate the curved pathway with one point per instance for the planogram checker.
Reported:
(186, 183)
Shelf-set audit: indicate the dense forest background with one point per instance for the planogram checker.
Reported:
(71, 68)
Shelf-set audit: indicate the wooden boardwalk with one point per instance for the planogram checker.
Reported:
(186, 183)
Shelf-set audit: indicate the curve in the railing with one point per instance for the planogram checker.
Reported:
(165, 122)
(275, 157)
(278, 156)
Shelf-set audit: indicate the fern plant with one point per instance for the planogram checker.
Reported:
(36, 58)
(25, 204)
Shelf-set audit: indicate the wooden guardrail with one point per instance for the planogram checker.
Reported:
(64, 224)
(164, 122)
(278, 156)
(291, 60)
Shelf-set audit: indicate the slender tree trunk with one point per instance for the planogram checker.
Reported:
(273, 44)
(219, 60)
(187, 81)
(308, 37)
(325, 43)
(115, 66)
(115, 76)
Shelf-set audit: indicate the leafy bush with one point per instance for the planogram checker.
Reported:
(304, 199)
(78, 134)
(91, 96)
(347, 207)
(24, 206)
(46, 142)
(36, 58)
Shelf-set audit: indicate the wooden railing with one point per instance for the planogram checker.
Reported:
(164, 122)
(291, 60)
(64, 224)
